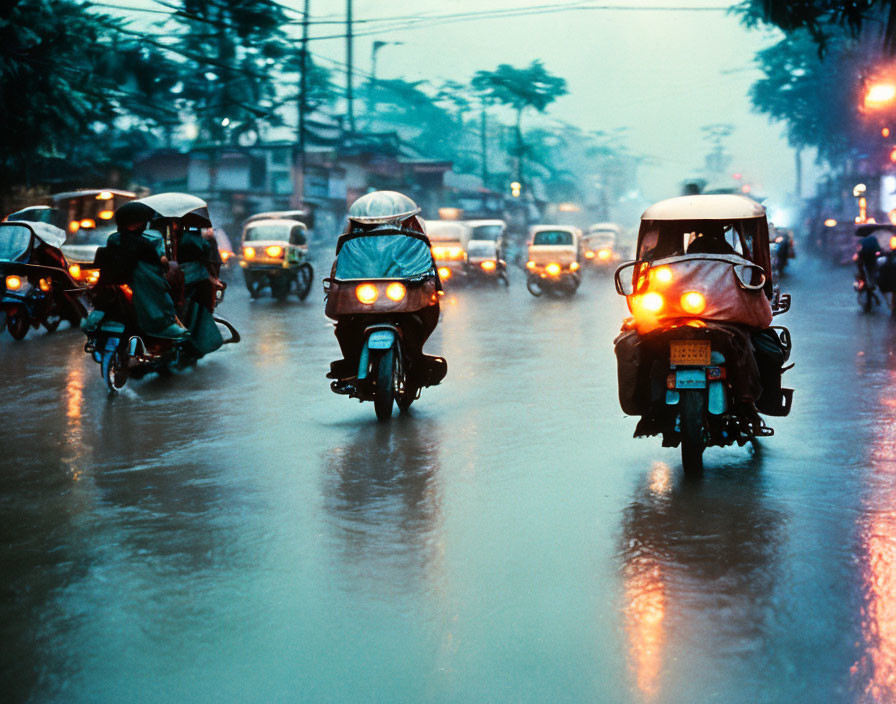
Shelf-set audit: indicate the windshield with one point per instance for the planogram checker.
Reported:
(487, 232)
(278, 233)
(14, 242)
(669, 238)
(97, 235)
(383, 257)
(481, 249)
(602, 238)
(556, 237)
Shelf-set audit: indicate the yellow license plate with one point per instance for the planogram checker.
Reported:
(690, 352)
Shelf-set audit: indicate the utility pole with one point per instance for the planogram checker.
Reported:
(349, 90)
(483, 144)
(299, 182)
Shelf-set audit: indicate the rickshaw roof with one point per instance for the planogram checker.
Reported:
(293, 215)
(275, 221)
(705, 207)
(93, 192)
(535, 229)
(604, 226)
(447, 229)
(483, 223)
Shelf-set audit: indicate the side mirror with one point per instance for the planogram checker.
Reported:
(625, 279)
(746, 273)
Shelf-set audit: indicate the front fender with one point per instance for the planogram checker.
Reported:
(375, 338)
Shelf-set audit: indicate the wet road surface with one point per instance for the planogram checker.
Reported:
(238, 533)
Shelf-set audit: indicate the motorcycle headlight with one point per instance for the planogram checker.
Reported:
(652, 302)
(444, 272)
(574, 266)
(75, 271)
(366, 293)
(13, 283)
(488, 265)
(249, 253)
(396, 291)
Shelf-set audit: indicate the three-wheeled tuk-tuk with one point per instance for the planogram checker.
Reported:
(699, 359)
(274, 254)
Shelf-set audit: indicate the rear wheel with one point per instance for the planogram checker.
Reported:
(51, 322)
(17, 323)
(253, 284)
(384, 393)
(692, 407)
(304, 277)
(407, 389)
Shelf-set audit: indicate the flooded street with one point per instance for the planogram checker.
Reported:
(238, 533)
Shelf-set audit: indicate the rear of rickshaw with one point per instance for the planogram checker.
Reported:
(699, 359)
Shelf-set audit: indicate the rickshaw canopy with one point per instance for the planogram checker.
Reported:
(383, 256)
(183, 206)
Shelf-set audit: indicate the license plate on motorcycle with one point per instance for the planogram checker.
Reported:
(687, 352)
(690, 379)
(380, 339)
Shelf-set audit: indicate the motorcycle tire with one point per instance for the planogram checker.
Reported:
(693, 406)
(407, 388)
(502, 277)
(114, 370)
(304, 278)
(384, 394)
(253, 284)
(866, 300)
(280, 287)
(51, 322)
(17, 323)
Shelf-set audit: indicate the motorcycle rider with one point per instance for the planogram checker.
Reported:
(136, 256)
(375, 214)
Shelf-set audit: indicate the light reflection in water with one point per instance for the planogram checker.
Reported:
(75, 449)
(877, 668)
(645, 600)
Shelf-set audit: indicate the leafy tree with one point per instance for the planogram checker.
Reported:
(822, 19)
(64, 82)
(520, 89)
(231, 48)
(817, 99)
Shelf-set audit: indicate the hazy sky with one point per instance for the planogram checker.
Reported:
(659, 74)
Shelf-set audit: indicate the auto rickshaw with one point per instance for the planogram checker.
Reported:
(484, 263)
(450, 239)
(699, 359)
(38, 289)
(274, 253)
(600, 246)
(491, 230)
(553, 262)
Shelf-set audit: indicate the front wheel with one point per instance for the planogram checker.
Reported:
(533, 283)
(17, 323)
(384, 394)
(692, 405)
(304, 277)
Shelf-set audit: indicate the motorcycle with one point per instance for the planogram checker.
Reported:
(38, 288)
(114, 338)
(383, 293)
(699, 360)
(875, 265)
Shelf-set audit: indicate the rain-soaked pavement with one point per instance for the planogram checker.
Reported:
(238, 533)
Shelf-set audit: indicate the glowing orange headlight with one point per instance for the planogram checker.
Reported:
(604, 254)
(225, 256)
(574, 266)
(830, 222)
(366, 293)
(13, 283)
(74, 226)
(92, 276)
(274, 251)
(444, 272)
(589, 254)
(105, 214)
(44, 285)
(661, 275)
(530, 264)
(652, 302)
(693, 302)
(553, 268)
(88, 223)
(455, 252)
(438, 252)
(75, 271)
(249, 252)
(396, 291)
(893, 242)
(488, 265)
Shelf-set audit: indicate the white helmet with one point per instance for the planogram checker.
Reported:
(382, 207)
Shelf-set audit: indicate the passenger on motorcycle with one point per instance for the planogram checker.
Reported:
(384, 239)
(135, 256)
